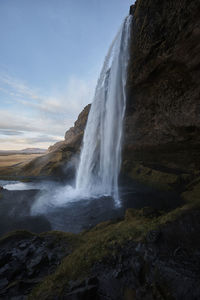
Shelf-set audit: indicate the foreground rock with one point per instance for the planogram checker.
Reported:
(25, 259)
(145, 256)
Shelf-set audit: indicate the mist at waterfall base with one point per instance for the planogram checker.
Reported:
(38, 206)
(95, 195)
(100, 158)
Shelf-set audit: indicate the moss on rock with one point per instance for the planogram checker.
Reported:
(192, 194)
(94, 246)
(155, 178)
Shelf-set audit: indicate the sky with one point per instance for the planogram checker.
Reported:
(51, 54)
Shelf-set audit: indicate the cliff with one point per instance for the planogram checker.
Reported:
(162, 124)
(55, 162)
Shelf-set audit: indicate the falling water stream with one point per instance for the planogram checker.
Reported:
(100, 158)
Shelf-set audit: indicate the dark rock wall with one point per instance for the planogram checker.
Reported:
(162, 125)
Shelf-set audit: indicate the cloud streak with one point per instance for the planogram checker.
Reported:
(10, 132)
(26, 141)
(77, 93)
(38, 114)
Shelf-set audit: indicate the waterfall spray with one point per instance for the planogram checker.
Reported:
(100, 157)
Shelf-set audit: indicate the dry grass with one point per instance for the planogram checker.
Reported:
(15, 159)
(11, 164)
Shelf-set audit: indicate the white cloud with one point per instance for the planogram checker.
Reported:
(77, 94)
(40, 114)
(8, 132)
(26, 139)
(19, 87)
(10, 121)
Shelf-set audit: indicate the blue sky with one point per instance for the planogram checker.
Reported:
(51, 54)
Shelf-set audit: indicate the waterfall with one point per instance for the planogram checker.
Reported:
(100, 157)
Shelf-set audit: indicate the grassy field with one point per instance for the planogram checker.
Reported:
(10, 164)
(16, 159)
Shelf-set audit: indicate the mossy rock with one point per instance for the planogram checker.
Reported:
(16, 235)
(94, 246)
(155, 178)
(192, 194)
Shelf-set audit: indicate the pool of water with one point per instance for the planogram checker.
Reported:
(47, 206)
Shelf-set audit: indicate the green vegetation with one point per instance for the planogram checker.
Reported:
(16, 235)
(94, 246)
(158, 179)
(192, 193)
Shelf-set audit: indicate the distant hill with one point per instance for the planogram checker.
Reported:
(24, 151)
(33, 150)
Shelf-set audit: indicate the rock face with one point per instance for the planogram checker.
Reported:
(55, 161)
(155, 269)
(162, 124)
(25, 259)
(75, 133)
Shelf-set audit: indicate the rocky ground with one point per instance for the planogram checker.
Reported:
(147, 255)
(25, 259)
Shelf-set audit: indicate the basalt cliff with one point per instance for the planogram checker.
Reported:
(162, 123)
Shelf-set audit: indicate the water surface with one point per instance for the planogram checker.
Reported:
(46, 206)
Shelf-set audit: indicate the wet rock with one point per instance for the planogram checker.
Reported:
(132, 9)
(23, 245)
(3, 283)
(150, 212)
(86, 290)
(153, 236)
(86, 293)
(25, 261)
